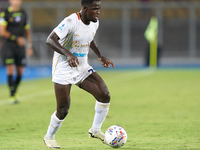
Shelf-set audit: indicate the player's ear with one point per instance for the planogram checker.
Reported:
(85, 8)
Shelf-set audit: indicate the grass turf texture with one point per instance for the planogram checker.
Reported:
(159, 110)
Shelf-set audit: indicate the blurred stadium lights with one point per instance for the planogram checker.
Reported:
(121, 32)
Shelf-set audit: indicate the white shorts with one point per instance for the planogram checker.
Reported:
(65, 79)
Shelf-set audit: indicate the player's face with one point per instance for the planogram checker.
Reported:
(94, 11)
(15, 3)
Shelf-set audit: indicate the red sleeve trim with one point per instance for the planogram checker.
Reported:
(78, 16)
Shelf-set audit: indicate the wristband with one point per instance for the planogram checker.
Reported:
(29, 45)
(12, 37)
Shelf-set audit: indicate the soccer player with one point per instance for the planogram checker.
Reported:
(13, 26)
(71, 41)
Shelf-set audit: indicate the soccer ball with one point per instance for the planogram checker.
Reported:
(115, 136)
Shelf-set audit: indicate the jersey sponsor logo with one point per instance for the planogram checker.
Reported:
(85, 45)
(77, 45)
(80, 54)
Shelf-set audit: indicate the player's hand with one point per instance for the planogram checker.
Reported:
(29, 52)
(72, 60)
(20, 41)
(106, 62)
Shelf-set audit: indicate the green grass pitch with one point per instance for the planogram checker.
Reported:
(160, 110)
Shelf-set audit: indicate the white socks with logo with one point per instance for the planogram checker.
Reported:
(101, 111)
(54, 126)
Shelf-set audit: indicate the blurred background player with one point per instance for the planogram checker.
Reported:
(13, 26)
(71, 41)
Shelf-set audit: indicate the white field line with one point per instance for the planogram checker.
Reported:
(32, 96)
(51, 92)
(139, 75)
(29, 96)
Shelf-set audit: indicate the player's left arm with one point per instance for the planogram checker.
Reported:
(27, 27)
(29, 41)
(105, 62)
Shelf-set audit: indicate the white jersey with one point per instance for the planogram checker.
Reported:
(76, 37)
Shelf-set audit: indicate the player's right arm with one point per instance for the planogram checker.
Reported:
(3, 32)
(3, 26)
(52, 41)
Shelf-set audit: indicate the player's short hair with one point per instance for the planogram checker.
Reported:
(86, 2)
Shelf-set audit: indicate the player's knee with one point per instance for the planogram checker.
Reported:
(62, 112)
(108, 97)
(105, 97)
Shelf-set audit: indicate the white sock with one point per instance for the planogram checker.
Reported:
(101, 111)
(54, 126)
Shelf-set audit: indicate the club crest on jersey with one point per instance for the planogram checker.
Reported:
(18, 19)
(61, 27)
(76, 44)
